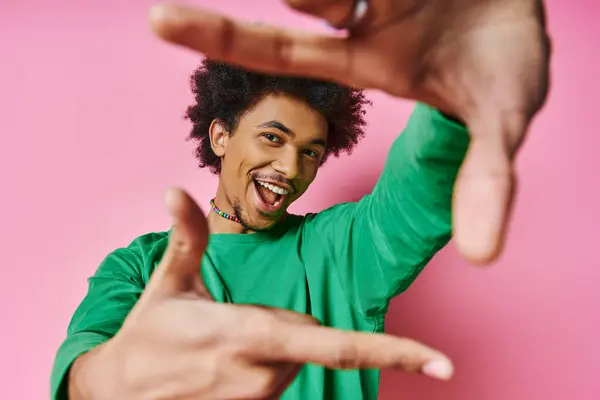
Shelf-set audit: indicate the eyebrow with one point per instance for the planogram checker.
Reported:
(281, 127)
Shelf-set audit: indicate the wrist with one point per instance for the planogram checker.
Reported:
(90, 375)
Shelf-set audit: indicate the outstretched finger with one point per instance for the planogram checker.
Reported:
(258, 47)
(179, 269)
(338, 349)
(485, 188)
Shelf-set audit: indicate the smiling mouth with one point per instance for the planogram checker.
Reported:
(271, 195)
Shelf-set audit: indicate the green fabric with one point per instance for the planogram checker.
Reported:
(342, 265)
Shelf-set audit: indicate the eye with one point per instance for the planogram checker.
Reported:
(271, 137)
(311, 153)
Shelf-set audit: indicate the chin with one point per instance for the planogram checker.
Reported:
(264, 207)
(260, 222)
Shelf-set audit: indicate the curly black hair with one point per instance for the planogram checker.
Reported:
(226, 92)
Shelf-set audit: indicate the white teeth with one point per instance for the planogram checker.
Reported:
(273, 188)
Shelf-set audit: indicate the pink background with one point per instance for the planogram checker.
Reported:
(91, 127)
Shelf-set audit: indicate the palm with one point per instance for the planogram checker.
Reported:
(465, 55)
(485, 61)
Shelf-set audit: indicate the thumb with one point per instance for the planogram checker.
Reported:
(179, 269)
(485, 188)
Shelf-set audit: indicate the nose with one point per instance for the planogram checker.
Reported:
(288, 165)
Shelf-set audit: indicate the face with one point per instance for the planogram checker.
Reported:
(270, 159)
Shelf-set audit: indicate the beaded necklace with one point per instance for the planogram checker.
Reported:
(223, 213)
(233, 218)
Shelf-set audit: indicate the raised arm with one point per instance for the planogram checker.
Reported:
(381, 243)
(484, 61)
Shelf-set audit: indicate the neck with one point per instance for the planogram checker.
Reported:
(218, 224)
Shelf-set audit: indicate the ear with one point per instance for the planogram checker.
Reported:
(219, 137)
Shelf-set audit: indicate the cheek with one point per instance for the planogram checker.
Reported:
(311, 167)
(240, 156)
(309, 175)
(258, 155)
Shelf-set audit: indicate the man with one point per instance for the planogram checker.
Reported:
(149, 327)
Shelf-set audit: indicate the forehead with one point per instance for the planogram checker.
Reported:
(295, 114)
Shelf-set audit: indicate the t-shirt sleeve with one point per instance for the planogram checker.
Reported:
(112, 292)
(382, 242)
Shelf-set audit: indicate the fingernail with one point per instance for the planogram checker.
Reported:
(160, 12)
(438, 369)
(168, 196)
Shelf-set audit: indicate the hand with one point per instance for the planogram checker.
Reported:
(178, 343)
(484, 61)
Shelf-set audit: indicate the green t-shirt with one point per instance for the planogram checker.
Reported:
(342, 265)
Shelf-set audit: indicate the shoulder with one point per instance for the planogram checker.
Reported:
(149, 242)
(136, 260)
(145, 246)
